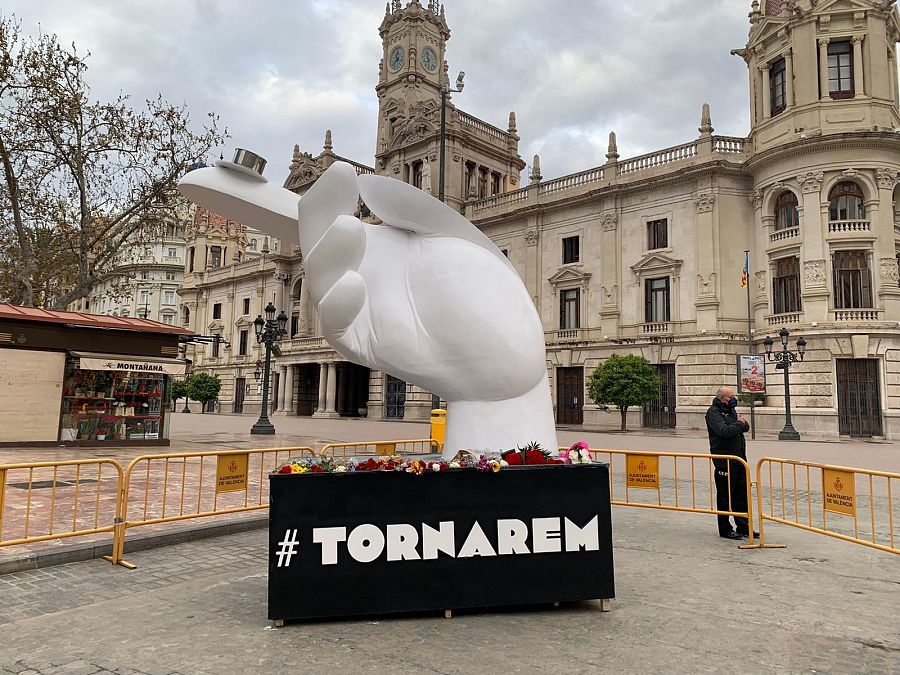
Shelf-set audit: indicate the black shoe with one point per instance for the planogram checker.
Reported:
(747, 535)
(731, 535)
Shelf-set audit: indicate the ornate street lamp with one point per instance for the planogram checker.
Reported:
(784, 359)
(258, 372)
(269, 331)
(445, 89)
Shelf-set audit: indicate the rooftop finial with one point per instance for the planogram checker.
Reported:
(706, 127)
(512, 123)
(328, 145)
(612, 151)
(536, 176)
(296, 152)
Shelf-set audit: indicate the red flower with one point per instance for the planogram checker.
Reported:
(285, 469)
(317, 469)
(513, 458)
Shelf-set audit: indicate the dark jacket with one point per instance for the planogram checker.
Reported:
(726, 432)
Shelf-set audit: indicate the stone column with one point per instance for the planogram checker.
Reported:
(331, 391)
(288, 389)
(789, 78)
(707, 303)
(282, 377)
(766, 92)
(823, 68)
(814, 282)
(859, 78)
(886, 275)
(323, 381)
(609, 251)
(306, 321)
(533, 261)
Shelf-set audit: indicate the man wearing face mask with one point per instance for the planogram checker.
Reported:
(726, 437)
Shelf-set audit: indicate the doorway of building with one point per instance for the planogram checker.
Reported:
(660, 414)
(307, 383)
(240, 387)
(394, 398)
(859, 398)
(352, 389)
(569, 395)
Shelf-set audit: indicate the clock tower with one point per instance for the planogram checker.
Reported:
(481, 159)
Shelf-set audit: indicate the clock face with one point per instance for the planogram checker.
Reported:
(429, 59)
(398, 57)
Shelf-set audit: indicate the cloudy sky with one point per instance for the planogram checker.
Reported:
(280, 72)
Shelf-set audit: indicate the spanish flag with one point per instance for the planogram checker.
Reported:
(745, 276)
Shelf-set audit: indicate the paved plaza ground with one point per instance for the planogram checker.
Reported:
(687, 600)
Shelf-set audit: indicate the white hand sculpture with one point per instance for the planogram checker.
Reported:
(427, 297)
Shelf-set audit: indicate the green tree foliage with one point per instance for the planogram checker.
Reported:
(624, 381)
(178, 390)
(203, 387)
(79, 177)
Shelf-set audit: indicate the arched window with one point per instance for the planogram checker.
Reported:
(847, 202)
(786, 214)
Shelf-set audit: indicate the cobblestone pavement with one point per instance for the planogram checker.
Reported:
(687, 601)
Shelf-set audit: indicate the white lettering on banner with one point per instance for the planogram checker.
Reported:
(545, 535)
(94, 363)
(329, 537)
(442, 540)
(477, 544)
(512, 536)
(401, 541)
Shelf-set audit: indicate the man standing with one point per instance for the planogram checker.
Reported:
(726, 437)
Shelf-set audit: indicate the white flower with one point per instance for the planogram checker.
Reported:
(340, 468)
(436, 466)
(503, 462)
(454, 465)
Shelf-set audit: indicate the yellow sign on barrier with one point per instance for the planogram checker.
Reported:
(385, 448)
(643, 471)
(840, 491)
(231, 473)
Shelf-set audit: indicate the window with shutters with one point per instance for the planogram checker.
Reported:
(847, 202)
(242, 343)
(571, 253)
(786, 285)
(657, 234)
(569, 309)
(656, 293)
(852, 281)
(840, 70)
(217, 310)
(786, 214)
(777, 84)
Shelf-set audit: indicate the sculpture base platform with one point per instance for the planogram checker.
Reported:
(374, 543)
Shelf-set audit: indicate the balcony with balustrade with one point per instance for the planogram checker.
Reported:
(850, 229)
(861, 315)
(623, 172)
(785, 319)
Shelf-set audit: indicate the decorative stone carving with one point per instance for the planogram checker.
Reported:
(756, 199)
(814, 272)
(704, 202)
(850, 174)
(531, 237)
(777, 187)
(609, 222)
(887, 178)
(706, 285)
(890, 272)
(811, 182)
(761, 282)
(610, 295)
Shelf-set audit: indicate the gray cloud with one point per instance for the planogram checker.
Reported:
(280, 73)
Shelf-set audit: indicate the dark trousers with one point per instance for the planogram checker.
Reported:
(738, 495)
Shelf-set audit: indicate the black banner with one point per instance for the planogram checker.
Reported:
(361, 543)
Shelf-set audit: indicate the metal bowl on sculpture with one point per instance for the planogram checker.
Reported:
(426, 296)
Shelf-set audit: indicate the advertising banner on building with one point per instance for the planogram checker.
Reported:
(172, 367)
(450, 540)
(751, 374)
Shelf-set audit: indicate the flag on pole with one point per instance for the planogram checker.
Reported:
(745, 276)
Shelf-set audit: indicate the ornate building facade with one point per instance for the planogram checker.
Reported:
(644, 255)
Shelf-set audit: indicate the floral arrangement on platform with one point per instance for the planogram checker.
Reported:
(490, 463)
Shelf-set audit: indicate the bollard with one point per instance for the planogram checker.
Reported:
(439, 427)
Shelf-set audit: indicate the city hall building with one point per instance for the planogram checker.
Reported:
(640, 255)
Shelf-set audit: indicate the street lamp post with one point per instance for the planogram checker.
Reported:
(269, 331)
(445, 89)
(784, 359)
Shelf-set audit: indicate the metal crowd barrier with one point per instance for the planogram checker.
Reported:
(62, 499)
(637, 473)
(194, 485)
(812, 492)
(419, 446)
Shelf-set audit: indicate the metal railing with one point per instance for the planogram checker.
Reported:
(639, 472)
(419, 446)
(803, 494)
(61, 499)
(192, 486)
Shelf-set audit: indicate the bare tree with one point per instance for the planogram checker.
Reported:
(80, 177)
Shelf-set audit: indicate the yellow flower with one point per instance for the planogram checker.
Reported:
(296, 468)
(495, 466)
